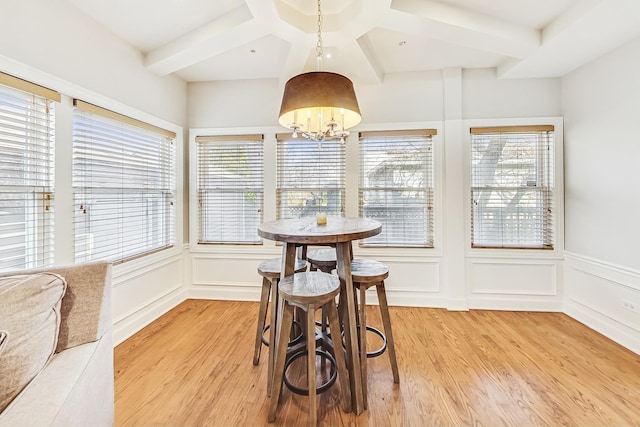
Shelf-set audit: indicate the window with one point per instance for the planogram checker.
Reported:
(311, 177)
(512, 187)
(123, 184)
(397, 186)
(230, 188)
(26, 174)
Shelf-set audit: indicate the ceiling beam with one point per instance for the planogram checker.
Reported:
(233, 29)
(340, 31)
(375, 69)
(584, 32)
(459, 26)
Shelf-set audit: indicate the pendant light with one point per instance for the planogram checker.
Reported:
(319, 105)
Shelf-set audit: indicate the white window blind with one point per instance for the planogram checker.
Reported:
(311, 177)
(230, 188)
(124, 186)
(26, 174)
(512, 187)
(397, 186)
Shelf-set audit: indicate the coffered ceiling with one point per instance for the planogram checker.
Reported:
(202, 40)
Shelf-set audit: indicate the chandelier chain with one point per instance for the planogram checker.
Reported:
(319, 44)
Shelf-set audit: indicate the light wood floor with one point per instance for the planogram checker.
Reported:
(193, 367)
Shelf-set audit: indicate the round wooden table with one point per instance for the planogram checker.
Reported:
(338, 232)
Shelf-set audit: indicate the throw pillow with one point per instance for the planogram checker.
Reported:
(30, 317)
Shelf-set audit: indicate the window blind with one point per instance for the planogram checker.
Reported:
(397, 186)
(310, 177)
(26, 174)
(230, 188)
(124, 186)
(512, 187)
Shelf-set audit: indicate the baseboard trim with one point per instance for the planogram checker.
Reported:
(495, 302)
(225, 292)
(604, 325)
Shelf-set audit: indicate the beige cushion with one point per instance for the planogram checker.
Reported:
(30, 315)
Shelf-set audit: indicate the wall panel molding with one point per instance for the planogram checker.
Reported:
(596, 293)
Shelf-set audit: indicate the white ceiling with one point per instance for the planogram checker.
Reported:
(202, 40)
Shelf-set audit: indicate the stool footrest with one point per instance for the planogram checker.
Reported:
(294, 341)
(382, 348)
(333, 373)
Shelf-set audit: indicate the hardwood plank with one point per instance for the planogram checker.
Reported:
(193, 367)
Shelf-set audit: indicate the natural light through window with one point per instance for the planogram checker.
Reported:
(26, 179)
(124, 187)
(397, 186)
(230, 188)
(512, 187)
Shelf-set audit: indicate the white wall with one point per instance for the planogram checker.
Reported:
(50, 43)
(250, 103)
(601, 105)
(53, 36)
(485, 96)
(499, 279)
(239, 103)
(450, 275)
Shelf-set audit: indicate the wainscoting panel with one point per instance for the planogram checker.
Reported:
(411, 284)
(140, 296)
(604, 297)
(514, 284)
(226, 278)
(413, 281)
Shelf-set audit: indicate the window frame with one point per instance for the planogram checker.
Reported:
(558, 191)
(169, 214)
(341, 188)
(39, 216)
(235, 137)
(431, 191)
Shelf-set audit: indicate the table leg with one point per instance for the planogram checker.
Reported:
(343, 255)
(287, 268)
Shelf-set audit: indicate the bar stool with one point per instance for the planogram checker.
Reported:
(322, 259)
(270, 272)
(308, 291)
(366, 273)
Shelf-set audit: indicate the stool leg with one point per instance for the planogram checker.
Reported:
(323, 329)
(311, 365)
(338, 353)
(264, 303)
(362, 308)
(281, 354)
(275, 304)
(386, 321)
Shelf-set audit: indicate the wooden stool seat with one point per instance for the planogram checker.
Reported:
(366, 273)
(270, 272)
(271, 268)
(308, 291)
(322, 259)
(313, 287)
